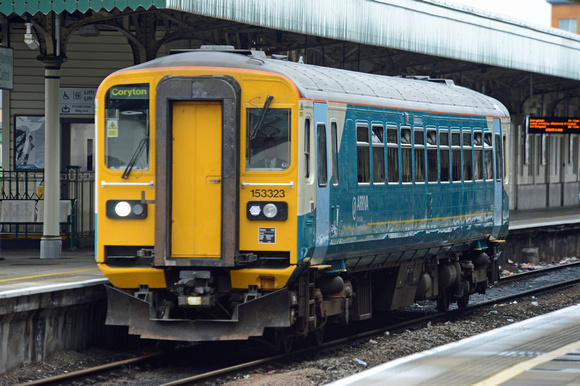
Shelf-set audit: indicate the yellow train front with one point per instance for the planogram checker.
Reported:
(239, 195)
(182, 160)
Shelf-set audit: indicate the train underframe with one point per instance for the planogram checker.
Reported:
(199, 305)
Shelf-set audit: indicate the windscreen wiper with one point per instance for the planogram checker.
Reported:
(140, 147)
(256, 127)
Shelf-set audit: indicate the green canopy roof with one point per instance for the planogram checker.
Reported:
(20, 7)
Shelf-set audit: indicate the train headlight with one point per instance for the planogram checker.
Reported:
(267, 210)
(126, 209)
(270, 210)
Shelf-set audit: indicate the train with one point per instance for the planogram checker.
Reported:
(240, 195)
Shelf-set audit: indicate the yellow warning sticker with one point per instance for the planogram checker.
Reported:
(112, 128)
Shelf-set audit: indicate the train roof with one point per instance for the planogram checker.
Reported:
(332, 84)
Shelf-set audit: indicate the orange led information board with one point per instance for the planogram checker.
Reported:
(553, 125)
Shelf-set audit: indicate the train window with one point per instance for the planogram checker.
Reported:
(127, 127)
(378, 154)
(334, 150)
(307, 148)
(268, 139)
(478, 155)
(432, 155)
(393, 154)
(498, 169)
(419, 155)
(321, 155)
(406, 162)
(362, 154)
(444, 155)
(456, 155)
(488, 150)
(467, 156)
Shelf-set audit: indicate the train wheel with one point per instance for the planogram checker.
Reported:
(318, 336)
(464, 299)
(285, 339)
(443, 300)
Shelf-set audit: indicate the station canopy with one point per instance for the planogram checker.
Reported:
(20, 7)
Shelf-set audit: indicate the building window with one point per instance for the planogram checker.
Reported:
(570, 25)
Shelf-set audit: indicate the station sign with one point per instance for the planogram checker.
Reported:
(6, 68)
(77, 100)
(553, 125)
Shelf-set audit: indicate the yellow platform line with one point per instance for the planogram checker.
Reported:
(514, 371)
(48, 274)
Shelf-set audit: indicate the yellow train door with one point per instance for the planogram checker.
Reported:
(196, 176)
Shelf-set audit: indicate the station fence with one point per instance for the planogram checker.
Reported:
(75, 185)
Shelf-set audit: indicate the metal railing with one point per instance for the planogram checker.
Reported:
(74, 185)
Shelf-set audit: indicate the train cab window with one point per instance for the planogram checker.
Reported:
(406, 160)
(478, 155)
(467, 156)
(268, 139)
(498, 166)
(393, 154)
(362, 154)
(127, 127)
(432, 155)
(444, 155)
(419, 148)
(307, 148)
(456, 155)
(322, 163)
(488, 150)
(378, 137)
(334, 151)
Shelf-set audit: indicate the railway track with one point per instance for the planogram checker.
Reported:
(246, 367)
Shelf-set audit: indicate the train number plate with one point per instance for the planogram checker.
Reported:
(267, 236)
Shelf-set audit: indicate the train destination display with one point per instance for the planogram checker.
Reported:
(553, 125)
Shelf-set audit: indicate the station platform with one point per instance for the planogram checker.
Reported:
(533, 218)
(23, 272)
(544, 350)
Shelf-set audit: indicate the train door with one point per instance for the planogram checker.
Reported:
(197, 133)
(196, 166)
(322, 229)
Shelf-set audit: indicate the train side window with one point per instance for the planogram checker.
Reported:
(467, 155)
(488, 150)
(419, 148)
(432, 155)
(406, 161)
(478, 155)
(362, 154)
(498, 169)
(334, 150)
(378, 137)
(456, 155)
(307, 148)
(444, 155)
(321, 155)
(393, 153)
